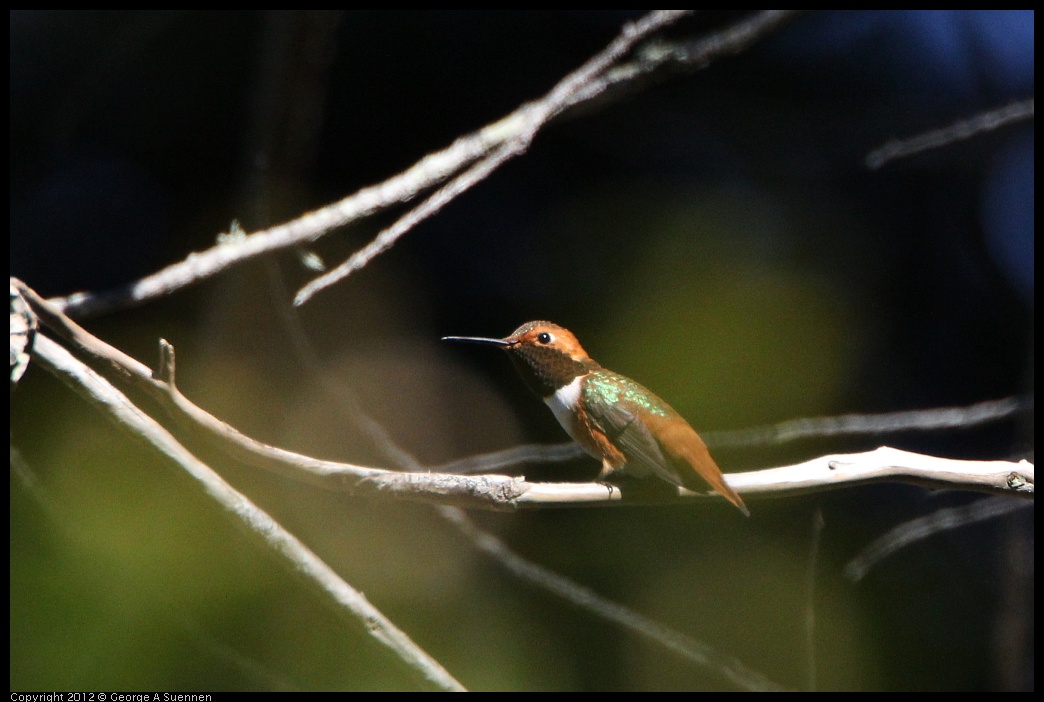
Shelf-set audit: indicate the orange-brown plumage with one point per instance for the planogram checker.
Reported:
(683, 445)
(616, 420)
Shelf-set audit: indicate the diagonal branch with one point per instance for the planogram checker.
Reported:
(493, 144)
(387, 238)
(685, 646)
(100, 393)
(960, 130)
(531, 118)
(920, 528)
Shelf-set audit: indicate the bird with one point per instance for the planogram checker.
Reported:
(616, 420)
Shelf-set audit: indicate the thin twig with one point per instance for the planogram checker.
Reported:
(532, 118)
(533, 454)
(810, 597)
(685, 646)
(848, 425)
(387, 238)
(921, 528)
(958, 131)
(681, 57)
(730, 40)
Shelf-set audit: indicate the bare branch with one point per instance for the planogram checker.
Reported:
(517, 455)
(530, 119)
(429, 171)
(387, 238)
(822, 473)
(100, 393)
(507, 493)
(730, 40)
(923, 527)
(810, 597)
(492, 145)
(655, 56)
(232, 250)
(958, 131)
(585, 598)
(490, 491)
(887, 464)
(873, 424)
(844, 425)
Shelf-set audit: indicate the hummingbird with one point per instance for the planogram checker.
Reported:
(614, 419)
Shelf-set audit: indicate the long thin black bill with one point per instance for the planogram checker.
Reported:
(478, 340)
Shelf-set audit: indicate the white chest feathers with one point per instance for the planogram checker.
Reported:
(563, 402)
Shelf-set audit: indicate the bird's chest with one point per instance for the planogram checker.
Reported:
(564, 404)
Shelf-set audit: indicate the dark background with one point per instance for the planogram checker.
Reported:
(715, 235)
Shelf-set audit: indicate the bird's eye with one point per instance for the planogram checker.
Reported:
(544, 338)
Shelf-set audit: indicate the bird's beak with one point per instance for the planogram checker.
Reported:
(481, 340)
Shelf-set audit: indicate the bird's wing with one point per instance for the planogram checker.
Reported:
(619, 422)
